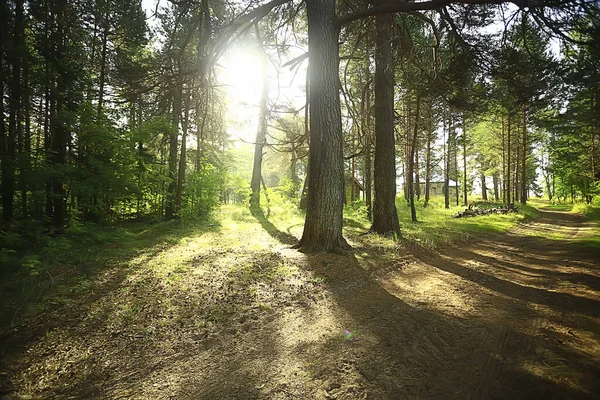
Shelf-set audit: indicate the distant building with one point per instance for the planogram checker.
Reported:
(353, 189)
(436, 187)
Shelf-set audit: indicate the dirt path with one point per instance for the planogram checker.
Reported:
(514, 316)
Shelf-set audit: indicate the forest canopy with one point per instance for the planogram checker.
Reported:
(116, 110)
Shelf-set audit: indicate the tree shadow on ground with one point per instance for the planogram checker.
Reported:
(283, 237)
(403, 351)
(66, 309)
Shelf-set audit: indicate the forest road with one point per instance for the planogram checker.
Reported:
(503, 316)
(510, 316)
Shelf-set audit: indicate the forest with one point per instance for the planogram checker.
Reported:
(328, 199)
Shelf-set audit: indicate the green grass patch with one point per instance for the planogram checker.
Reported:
(436, 226)
(46, 271)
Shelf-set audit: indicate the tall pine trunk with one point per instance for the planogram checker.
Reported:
(524, 160)
(411, 164)
(508, 174)
(385, 215)
(324, 214)
(14, 120)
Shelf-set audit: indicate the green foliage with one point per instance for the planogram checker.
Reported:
(202, 192)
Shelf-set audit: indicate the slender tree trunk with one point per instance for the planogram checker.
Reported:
(456, 174)
(447, 163)
(508, 174)
(261, 139)
(484, 189)
(173, 135)
(503, 161)
(428, 162)
(58, 129)
(14, 120)
(182, 156)
(324, 214)
(385, 215)
(593, 154)
(524, 160)
(516, 186)
(411, 163)
(366, 130)
(495, 181)
(466, 200)
(26, 142)
(103, 64)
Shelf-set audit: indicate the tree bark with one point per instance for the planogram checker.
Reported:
(58, 130)
(324, 214)
(366, 131)
(495, 182)
(428, 162)
(524, 160)
(508, 174)
(411, 164)
(182, 156)
(447, 163)
(466, 200)
(14, 120)
(385, 215)
(484, 189)
(103, 64)
(261, 139)
(173, 135)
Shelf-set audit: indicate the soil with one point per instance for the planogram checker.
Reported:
(509, 316)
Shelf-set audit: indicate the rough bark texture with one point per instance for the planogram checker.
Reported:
(323, 224)
(385, 216)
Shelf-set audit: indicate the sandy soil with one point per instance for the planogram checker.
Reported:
(514, 316)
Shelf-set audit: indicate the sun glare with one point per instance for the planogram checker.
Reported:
(242, 75)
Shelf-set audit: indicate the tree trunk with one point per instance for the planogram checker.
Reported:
(324, 214)
(466, 200)
(508, 174)
(14, 120)
(103, 65)
(456, 174)
(495, 182)
(411, 164)
(182, 156)
(59, 133)
(173, 135)
(428, 162)
(385, 215)
(524, 160)
(447, 163)
(261, 139)
(484, 189)
(366, 131)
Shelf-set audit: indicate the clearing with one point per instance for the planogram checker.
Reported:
(233, 313)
